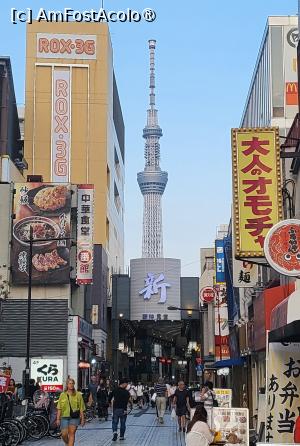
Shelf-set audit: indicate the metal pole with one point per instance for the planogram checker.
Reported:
(219, 321)
(27, 370)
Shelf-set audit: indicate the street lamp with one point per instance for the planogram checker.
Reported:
(31, 241)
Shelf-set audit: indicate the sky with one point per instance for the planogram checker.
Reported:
(205, 57)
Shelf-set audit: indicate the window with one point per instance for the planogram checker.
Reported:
(108, 178)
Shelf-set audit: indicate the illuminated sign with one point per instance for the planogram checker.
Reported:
(256, 188)
(153, 285)
(66, 46)
(85, 219)
(291, 93)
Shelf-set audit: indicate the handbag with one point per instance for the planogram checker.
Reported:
(153, 398)
(73, 413)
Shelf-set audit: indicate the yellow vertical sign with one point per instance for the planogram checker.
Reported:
(257, 197)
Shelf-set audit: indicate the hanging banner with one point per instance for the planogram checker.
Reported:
(85, 226)
(256, 188)
(61, 127)
(44, 207)
(220, 261)
(221, 323)
(282, 247)
(283, 392)
(245, 274)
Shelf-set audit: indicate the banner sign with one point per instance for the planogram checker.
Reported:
(256, 188)
(48, 373)
(224, 397)
(283, 390)
(66, 46)
(245, 274)
(282, 247)
(61, 127)
(85, 226)
(44, 207)
(221, 323)
(220, 261)
(231, 425)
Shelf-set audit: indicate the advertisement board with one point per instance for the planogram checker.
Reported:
(257, 195)
(61, 127)
(220, 261)
(44, 207)
(224, 397)
(85, 226)
(282, 247)
(231, 425)
(283, 386)
(221, 323)
(48, 372)
(154, 286)
(66, 46)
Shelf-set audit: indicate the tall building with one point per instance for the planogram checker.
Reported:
(152, 180)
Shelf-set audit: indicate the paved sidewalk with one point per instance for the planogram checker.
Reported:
(143, 429)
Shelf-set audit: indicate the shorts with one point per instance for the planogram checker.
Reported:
(181, 411)
(65, 422)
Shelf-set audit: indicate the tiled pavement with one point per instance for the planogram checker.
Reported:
(143, 429)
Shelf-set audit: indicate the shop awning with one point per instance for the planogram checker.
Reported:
(229, 362)
(286, 311)
(287, 333)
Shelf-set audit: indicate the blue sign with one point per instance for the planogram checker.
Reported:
(220, 261)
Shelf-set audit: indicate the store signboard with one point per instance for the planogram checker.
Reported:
(231, 425)
(221, 323)
(224, 397)
(220, 261)
(61, 127)
(282, 247)
(257, 198)
(66, 46)
(44, 207)
(291, 37)
(283, 390)
(85, 226)
(48, 372)
(245, 274)
(155, 286)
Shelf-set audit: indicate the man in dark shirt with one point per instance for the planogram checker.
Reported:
(120, 397)
(181, 400)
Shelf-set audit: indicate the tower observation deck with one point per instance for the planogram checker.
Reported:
(152, 180)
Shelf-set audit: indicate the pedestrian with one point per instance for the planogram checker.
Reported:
(132, 390)
(119, 398)
(161, 399)
(102, 401)
(208, 397)
(140, 394)
(33, 387)
(70, 412)
(198, 431)
(11, 388)
(171, 391)
(181, 401)
(92, 387)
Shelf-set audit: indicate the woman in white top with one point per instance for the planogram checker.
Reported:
(198, 432)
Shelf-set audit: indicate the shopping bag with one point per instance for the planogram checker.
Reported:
(173, 414)
(153, 397)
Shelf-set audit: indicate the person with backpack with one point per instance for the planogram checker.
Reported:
(208, 397)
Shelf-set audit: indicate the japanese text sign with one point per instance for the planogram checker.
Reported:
(45, 209)
(256, 188)
(85, 220)
(283, 391)
(220, 261)
(48, 372)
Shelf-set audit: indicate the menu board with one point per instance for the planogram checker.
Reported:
(45, 209)
(231, 425)
(224, 397)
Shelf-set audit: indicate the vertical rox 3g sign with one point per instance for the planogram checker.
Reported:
(61, 127)
(66, 46)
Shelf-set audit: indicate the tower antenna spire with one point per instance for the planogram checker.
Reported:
(152, 180)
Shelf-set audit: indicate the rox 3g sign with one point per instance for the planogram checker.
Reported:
(66, 46)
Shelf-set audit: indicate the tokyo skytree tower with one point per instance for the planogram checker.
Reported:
(152, 180)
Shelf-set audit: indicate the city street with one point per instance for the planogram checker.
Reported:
(142, 429)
